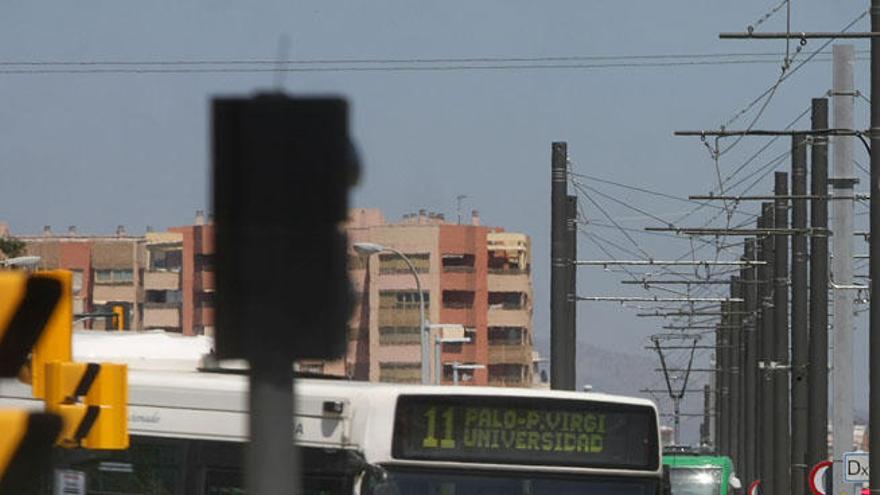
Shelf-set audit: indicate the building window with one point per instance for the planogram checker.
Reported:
(165, 260)
(507, 300)
(204, 263)
(507, 335)
(114, 276)
(205, 300)
(400, 372)
(507, 263)
(458, 299)
(399, 336)
(458, 263)
(163, 296)
(508, 374)
(402, 299)
(390, 263)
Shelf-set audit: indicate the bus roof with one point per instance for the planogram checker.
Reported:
(182, 402)
(690, 460)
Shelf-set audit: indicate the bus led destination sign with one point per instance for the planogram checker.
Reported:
(501, 430)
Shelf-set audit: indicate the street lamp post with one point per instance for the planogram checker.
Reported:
(439, 340)
(369, 248)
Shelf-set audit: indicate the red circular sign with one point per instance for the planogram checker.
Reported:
(753, 488)
(817, 477)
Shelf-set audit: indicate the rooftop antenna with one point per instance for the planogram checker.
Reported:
(458, 200)
(283, 54)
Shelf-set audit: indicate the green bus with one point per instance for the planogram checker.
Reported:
(694, 473)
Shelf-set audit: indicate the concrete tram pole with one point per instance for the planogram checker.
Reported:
(782, 400)
(799, 320)
(750, 366)
(562, 376)
(817, 378)
(843, 99)
(874, 271)
(766, 346)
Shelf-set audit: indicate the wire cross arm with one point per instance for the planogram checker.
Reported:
(712, 197)
(668, 262)
(795, 35)
(670, 314)
(689, 347)
(623, 299)
(771, 132)
(744, 232)
(675, 336)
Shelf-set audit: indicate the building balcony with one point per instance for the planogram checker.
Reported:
(510, 354)
(120, 293)
(499, 317)
(161, 315)
(509, 282)
(161, 280)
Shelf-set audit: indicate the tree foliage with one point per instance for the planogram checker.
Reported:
(12, 246)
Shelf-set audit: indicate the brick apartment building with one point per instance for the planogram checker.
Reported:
(161, 280)
(476, 281)
(477, 285)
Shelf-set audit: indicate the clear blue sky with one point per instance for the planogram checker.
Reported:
(102, 149)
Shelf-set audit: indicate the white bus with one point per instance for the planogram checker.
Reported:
(188, 431)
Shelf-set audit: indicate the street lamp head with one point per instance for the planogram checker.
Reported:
(28, 261)
(367, 248)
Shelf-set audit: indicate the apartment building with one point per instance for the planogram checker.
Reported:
(179, 281)
(476, 282)
(160, 280)
(107, 272)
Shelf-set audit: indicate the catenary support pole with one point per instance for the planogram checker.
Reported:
(767, 345)
(782, 400)
(706, 427)
(843, 100)
(874, 270)
(750, 366)
(722, 352)
(561, 370)
(817, 378)
(571, 296)
(799, 318)
(733, 343)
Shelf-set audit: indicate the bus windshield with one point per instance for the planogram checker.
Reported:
(696, 480)
(435, 482)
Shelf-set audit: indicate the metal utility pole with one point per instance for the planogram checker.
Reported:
(781, 410)
(799, 319)
(571, 296)
(561, 343)
(750, 365)
(766, 346)
(874, 318)
(817, 371)
(843, 98)
(722, 381)
(734, 396)
(706, 427)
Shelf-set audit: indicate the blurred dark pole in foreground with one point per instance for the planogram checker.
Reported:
(282, 170)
